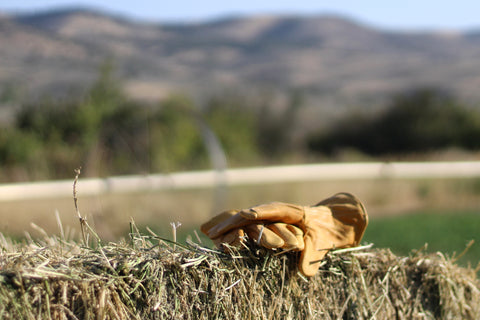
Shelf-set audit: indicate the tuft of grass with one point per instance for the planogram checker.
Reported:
(148, 277)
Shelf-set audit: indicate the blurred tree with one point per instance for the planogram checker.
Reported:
(175, 140)
(70, 132)
(18, 147)
(234, 122)
(416, 121)
(124, 140)
(275, 129)
(10, 92)
(107, 134)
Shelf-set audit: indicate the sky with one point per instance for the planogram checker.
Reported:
(458, 15)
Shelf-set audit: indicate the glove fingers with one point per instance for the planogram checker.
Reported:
(216, 220)
(291, 235)
(275, 212)
(233, 238)
(299, 235)
(268, 238)
(224, 223)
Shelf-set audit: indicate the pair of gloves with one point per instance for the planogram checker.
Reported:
(336, 222)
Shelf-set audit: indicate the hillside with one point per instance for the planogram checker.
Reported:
(331, 58)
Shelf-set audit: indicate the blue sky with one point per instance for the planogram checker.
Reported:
(406, 14)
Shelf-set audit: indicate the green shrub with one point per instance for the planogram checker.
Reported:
(417, 121)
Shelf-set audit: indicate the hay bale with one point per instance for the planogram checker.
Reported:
(151, 279)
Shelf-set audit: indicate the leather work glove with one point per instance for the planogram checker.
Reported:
(336, 222)
(270, 236)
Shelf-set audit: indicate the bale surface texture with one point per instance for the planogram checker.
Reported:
(148, 278)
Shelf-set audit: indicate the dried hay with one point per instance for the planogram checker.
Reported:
(151, 278)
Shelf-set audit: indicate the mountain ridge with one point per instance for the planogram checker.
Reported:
(329, 57)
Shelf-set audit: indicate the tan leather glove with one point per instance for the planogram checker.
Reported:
(336, 222)
(272, 235)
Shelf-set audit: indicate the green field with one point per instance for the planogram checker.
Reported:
(446, 231)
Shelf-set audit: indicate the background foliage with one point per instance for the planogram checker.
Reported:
(106, 133)
(421, 120)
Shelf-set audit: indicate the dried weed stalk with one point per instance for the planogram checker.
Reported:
(85, 228)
